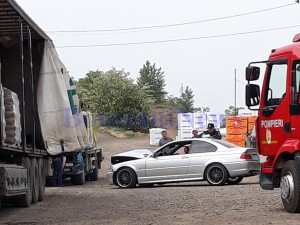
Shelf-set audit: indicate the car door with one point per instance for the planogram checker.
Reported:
(167, 167)
(200, 152)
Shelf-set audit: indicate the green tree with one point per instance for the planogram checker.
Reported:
(113, 93)
(186, 99)
(153, 79)
(231, 111)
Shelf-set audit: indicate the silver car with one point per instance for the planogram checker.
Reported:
(218, 162)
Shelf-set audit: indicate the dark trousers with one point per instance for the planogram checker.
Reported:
(57, 179)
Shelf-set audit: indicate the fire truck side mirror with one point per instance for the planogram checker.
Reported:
(252, 73)
(252, 95)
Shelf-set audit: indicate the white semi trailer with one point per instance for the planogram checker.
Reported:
(39, 113)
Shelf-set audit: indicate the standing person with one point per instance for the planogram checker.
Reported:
(165, 139)
(57, 167)
(195, 134)
(212, 132)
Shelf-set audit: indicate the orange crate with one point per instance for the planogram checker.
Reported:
(236, 130)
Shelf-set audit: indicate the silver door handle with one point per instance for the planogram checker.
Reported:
(184, 157)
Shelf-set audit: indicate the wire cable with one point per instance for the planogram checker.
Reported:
(179, 39)
(173, 25)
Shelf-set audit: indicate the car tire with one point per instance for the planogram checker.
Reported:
(216, 174)
(290, 187)
(234, 180)
(146, 185)
(126, 178)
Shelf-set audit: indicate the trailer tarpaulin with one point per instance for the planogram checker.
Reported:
(60, 121)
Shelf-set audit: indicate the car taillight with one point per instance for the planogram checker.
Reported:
(245, 156)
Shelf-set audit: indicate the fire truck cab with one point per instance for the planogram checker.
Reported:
(278, 122)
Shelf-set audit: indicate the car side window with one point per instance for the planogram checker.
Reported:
(202, 147)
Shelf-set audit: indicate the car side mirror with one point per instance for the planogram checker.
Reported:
(252, 95)
(252, 73)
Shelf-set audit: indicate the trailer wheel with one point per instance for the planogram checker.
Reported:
(290, 187)
(35, 180)
(42, 179)
(94, 174)
(25, 200)
(78, 179)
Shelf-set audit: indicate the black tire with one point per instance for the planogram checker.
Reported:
(126, 178)
(78, 179)
(146, 185)
(94, 174)
(234, 180)
(216, 174)
(291, 201)
(42, 179)
(25, 200)
(36, 180)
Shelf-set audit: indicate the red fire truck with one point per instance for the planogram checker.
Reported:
(278, 122)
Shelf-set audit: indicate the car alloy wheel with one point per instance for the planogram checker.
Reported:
(126, 178)
(216, 174)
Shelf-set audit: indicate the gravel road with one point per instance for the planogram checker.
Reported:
(178, 204)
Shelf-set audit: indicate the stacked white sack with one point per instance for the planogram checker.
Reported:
(12, 117)
(3, 115)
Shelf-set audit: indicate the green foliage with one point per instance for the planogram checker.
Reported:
(113, 93)
(184, 103)
(153, 81)
(231, 111)
(186, 99)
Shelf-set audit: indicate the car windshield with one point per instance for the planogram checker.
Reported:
(224, 143)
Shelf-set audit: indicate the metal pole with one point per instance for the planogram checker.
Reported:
(235, 92)
(23, 84)
(32, 89)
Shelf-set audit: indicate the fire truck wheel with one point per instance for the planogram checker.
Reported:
(290, 187)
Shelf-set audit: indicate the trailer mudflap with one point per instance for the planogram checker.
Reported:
(13, 180)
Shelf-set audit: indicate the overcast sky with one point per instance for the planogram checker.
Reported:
(205, 65)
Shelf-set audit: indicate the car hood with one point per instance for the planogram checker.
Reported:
(130, 155)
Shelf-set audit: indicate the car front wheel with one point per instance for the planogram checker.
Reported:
(234, 180)
(126, 178)
(216, 174)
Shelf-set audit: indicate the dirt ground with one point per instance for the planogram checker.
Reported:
(178, 204)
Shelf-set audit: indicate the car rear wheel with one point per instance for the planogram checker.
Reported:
(290, 186)
(216, 174)
(234, 180)
(126, 178)
(146, 185)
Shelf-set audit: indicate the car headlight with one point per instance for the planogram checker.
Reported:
(111, 169)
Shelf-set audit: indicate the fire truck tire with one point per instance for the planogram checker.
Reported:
(42, 179)
(290, 187)
(25, 200)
